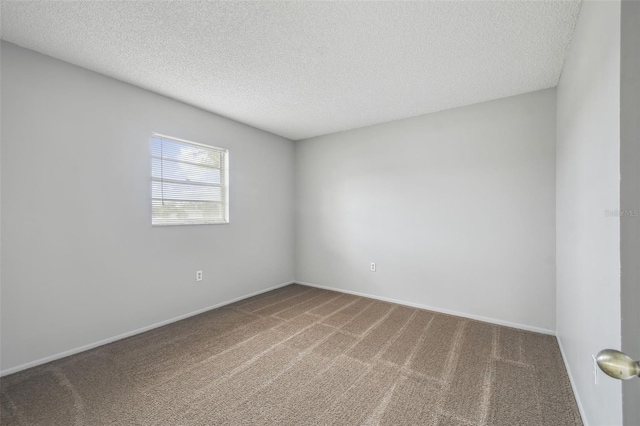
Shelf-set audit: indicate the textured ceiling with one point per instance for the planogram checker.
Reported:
(302, 69)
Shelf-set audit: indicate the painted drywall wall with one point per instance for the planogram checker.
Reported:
(588, 195)
(630, 199)
(80, 260)
(0, 208)
(456, 208)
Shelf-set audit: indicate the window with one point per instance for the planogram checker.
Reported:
(189, 182)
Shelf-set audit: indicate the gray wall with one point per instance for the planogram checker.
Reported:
(456, 208)
(588, 184)
(80, 261)
(630, 199)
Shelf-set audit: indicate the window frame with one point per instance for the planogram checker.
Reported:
(224, 177)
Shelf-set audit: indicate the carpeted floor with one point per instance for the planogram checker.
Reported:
(304, 356)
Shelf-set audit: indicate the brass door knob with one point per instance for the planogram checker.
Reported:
(617, 364)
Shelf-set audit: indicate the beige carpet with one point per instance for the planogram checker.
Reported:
(304, 356)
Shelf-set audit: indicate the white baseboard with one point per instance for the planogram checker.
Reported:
(131, 333)
(432, 308)
(573, 384)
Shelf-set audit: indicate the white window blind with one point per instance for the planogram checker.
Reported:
(189, 182)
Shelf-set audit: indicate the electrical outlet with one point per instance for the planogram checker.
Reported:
(373, 266)
(198, 275)
(595, 370)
